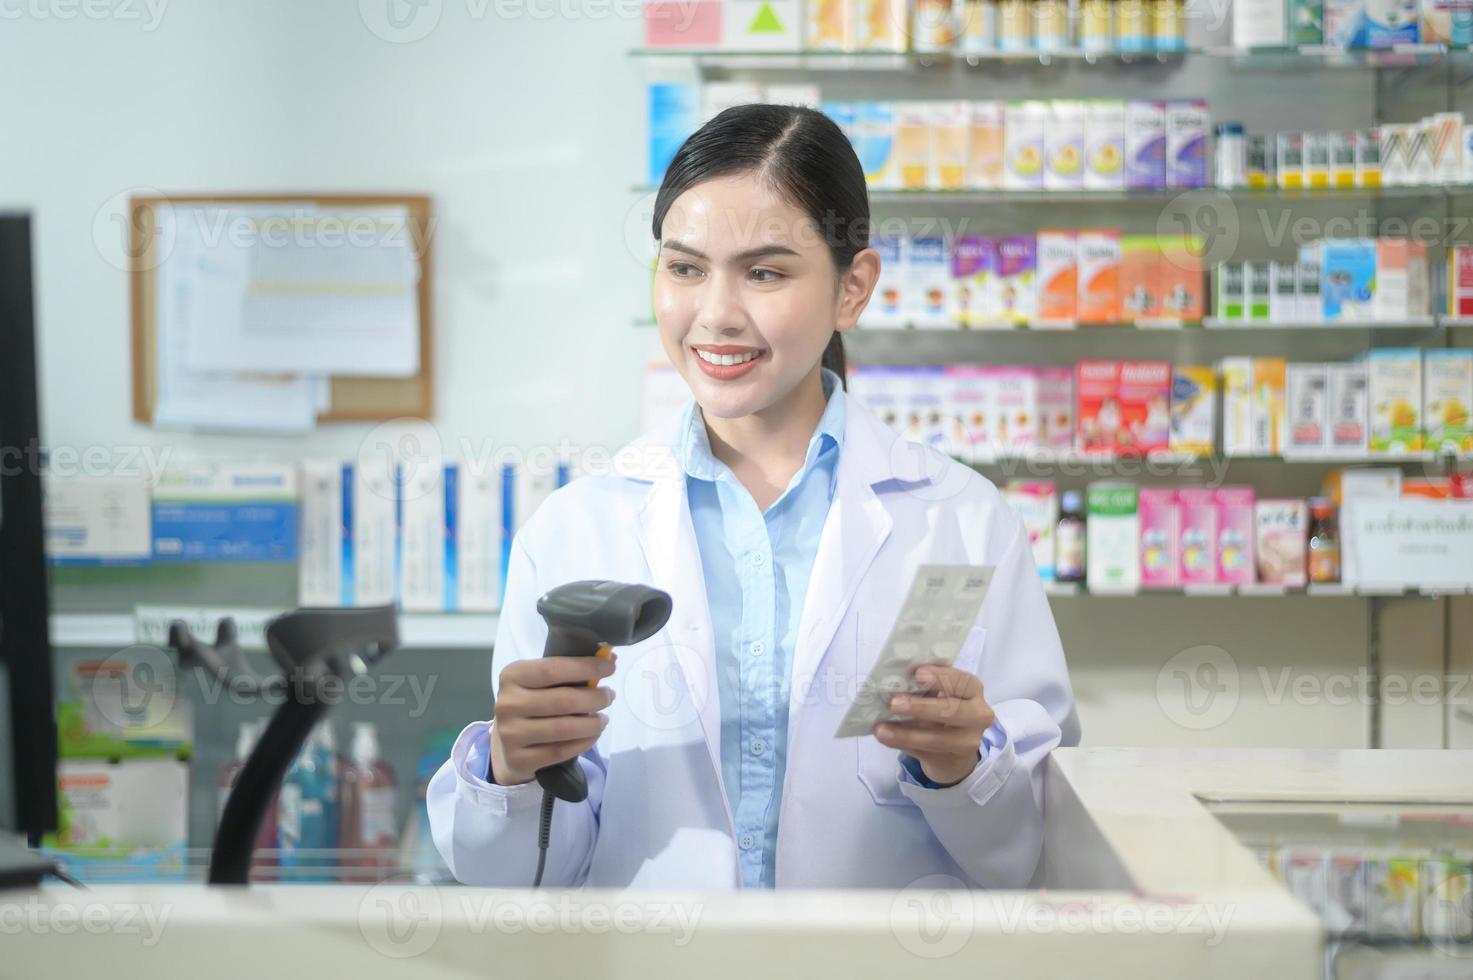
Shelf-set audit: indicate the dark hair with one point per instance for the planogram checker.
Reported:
(804, 155)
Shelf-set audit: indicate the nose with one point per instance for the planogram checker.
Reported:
(721, 312)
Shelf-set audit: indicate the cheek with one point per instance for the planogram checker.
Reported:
(797, 320)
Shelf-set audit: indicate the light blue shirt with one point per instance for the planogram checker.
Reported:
(756, 567)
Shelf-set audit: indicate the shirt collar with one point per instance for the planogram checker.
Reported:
(694, 449)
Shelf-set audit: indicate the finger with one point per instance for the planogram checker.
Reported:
(950, 681)
(549, 702)
(543, 731)
(919, 740)
(940, 710)
(550, 671)
(550, 754)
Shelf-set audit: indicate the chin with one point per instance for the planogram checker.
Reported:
(728, 404)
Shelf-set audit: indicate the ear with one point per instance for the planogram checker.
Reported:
(855, 288)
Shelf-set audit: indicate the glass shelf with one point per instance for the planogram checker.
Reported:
(417, 631)
(1157, 197)
(1151, 327)
(1309, 57)
(319, 866)
(1071, 590)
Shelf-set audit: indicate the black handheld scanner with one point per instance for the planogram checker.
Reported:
(589, 619)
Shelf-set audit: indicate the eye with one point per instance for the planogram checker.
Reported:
(682, 270)
(769, 273)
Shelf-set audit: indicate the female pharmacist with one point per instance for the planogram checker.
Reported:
(787, 523)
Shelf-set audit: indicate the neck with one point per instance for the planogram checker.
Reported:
(769, 446)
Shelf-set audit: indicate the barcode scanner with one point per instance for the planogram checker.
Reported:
(589, 619)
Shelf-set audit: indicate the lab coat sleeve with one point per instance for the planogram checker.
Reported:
(991, 823)
(487, 833)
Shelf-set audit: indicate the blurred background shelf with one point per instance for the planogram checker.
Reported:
(448, 631)
(1288, 195)
(1302, 57)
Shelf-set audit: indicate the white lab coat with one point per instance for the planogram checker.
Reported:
(657, 814)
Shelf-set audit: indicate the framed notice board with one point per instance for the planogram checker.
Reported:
(346, 398)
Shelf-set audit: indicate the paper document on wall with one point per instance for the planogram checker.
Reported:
(305, 289)
(213, 399)
(939, 610)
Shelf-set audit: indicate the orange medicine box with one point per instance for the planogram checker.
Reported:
(1182, 279)
(1140, 278)
(1099, 276)
(1058, 276)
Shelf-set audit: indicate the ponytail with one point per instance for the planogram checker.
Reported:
(834, 360)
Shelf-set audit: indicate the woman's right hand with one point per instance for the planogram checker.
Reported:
(539, 722)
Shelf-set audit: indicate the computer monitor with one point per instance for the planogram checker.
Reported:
(25, 644)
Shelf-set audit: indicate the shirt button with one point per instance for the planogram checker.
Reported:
(757, 648)
(758, 558)
(758, 746)
(747, 842)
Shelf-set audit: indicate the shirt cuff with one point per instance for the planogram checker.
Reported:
(910, 766)
(470, 756)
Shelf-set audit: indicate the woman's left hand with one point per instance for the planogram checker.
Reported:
(943, 723)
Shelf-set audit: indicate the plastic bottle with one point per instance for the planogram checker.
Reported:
(1232, 155)
(368, 834)
(307, 810)
(1096, 26)
(1069, 541)
(1050, 24)
(1324, 542)
(245, 743)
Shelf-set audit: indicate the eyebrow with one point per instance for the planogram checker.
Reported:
(761, 251)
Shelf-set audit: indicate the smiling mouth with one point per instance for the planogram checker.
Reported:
(727, 356)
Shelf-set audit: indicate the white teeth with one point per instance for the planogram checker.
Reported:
(726, 360)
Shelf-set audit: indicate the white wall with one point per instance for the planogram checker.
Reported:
(527, 133)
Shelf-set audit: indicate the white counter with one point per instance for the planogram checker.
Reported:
(1142, 881)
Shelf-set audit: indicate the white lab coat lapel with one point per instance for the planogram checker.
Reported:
(667, 536)
(857, 525)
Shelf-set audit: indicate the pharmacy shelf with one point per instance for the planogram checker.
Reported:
(1306, 57)
(449, 631)
(1072, 590)
(1153, 327)
(462, 631)
(1406, 323)
(1191, 195)
(1071, 457)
